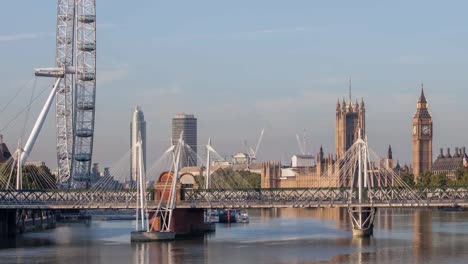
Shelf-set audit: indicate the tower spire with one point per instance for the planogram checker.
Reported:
(422, 98)
(350, 89)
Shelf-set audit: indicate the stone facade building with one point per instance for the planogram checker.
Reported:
(448, 165)
(325, 173)
(350, 121)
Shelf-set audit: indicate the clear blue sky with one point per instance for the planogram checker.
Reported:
(241, 66)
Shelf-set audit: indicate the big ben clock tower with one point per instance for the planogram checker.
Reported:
(422, 137)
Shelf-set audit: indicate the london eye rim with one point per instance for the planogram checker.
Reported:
(75, 99)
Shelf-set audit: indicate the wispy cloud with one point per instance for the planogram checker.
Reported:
(240, 34)
(109, 75)
(36, 35)
(270, 31)
(19, 36)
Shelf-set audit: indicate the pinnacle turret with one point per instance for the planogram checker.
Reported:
(422, 98)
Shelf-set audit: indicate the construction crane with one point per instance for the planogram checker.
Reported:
(253, 152)
(301, 144)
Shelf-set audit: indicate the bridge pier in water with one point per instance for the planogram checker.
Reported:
(7, 223)
(185, 223)
(13, 221)
(362, 220)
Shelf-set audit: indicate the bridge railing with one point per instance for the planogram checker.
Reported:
(293, 197)
(67, 199)
(300, 197)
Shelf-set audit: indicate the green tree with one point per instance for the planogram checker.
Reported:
(425, 179)
(462, 176)
(439, 180)
(230, 179)
(408, 178)
(459, 175)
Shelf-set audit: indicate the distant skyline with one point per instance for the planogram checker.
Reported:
(243, 66)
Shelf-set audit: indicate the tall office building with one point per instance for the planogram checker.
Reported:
(137, 129)
(188, 125)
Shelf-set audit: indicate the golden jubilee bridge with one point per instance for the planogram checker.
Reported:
(169, 201)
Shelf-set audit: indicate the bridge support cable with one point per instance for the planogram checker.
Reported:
(38, 125)
(167, 201)
(165, 192)
(21, 155)
(341, 184)
(172, 201)
(15, 117)
(362, 218)
(115, 187)
(110, 188)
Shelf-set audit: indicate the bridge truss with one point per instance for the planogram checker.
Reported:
(247, 198)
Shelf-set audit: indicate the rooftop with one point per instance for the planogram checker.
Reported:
(183, 115)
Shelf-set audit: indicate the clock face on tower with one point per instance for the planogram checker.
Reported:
(414, 130)
(426, 130)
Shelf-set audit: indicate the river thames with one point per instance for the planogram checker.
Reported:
(272, 236)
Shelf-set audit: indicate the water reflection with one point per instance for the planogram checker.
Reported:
(422, 235)
(272, 236)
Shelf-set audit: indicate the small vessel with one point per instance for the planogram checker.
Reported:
(213, 216)
(244, 218)
(233, 216)
(229, 216)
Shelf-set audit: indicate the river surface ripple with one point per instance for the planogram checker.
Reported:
(272, 236)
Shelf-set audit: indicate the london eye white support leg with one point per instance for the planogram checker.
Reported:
(39, 123)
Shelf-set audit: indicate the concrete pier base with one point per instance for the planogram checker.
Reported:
(152, 236)
(362, 219)
(363, 232)
(185, 223)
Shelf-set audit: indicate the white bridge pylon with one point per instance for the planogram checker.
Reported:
(362, 218)
(142, 221)
(165, 208)
(210, 150)
(368, 183)
(361, 178)
(168, 196)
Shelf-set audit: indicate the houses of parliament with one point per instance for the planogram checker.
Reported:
(350, 121)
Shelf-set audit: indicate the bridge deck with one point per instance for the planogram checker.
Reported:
(246, 198)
